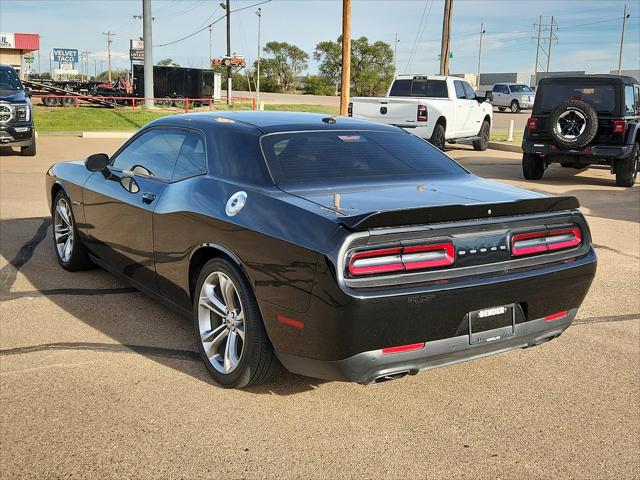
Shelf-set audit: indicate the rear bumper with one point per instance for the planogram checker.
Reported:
(371, 366)
(593, 152)
(16, 136)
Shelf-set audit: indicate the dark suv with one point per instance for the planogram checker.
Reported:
(584, 120)
(16, 119)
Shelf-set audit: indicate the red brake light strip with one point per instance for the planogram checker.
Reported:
(545, 240)
(397, 259)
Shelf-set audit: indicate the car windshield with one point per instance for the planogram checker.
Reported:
(601, 97)
(329, 158)
(9, 80)
(520, 88)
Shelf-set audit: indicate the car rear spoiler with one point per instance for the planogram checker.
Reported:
(452, 213)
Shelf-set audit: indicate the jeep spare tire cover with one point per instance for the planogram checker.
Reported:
(573, 124)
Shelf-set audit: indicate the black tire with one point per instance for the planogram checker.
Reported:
(437, 137)
(533, 166)
(483, 143)
(579, 112)
(79, 257)
(514, 107)
(627, 168)
(50, 101)
(29, 150)
(258, 362)
(501, 109)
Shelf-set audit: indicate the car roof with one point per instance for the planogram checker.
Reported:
(272, 122)
(599, 78)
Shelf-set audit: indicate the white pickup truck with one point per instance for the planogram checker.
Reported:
(437, 108)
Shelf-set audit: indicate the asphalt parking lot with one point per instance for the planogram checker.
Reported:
(99, 381)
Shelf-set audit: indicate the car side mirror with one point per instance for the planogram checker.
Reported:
(488, 96)
(98, 162)
(28, 92)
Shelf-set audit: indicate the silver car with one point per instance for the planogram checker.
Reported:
(514, 96)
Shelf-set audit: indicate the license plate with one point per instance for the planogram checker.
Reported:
(491, 324)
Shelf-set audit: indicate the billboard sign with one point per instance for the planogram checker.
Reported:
(65, 55)
(7, 40)
(136, 50)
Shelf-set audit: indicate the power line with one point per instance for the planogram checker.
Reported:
(418, 33)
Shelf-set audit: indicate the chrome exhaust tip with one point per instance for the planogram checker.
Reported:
(391, 376)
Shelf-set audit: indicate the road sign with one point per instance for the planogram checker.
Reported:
(136, 50)
(65, 55)
(450, 56)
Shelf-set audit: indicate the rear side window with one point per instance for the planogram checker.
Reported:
(419, 88)
(192, 158)
(496, 88)
(629, 100)
(325, 159)
(601, 97)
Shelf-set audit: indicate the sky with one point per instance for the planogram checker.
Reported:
(588, 30)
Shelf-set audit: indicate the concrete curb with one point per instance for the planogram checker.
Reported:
(107, 134)
(505, 147)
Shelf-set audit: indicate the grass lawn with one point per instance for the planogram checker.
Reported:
(502, 137)
(84, 119)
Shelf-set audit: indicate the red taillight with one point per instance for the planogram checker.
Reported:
(398, 259)
(350, 109)
(532, 124)
(619, 126)
(403, 348)
(555, 316)
(423, 116)
(541, 241)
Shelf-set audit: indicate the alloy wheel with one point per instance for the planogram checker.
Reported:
(63, 230)
(221, 322)
(571, 124)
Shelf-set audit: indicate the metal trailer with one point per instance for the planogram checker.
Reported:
(175, 83)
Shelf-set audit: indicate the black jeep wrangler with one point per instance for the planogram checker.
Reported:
(584, 120)
(16, 120)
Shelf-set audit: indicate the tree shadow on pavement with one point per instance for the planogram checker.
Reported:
(136, 323)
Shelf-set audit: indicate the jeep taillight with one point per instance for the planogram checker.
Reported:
(400, 259)
(619, 126)
(547, 240)
(350, 109)
(532, 123)
(423, 116)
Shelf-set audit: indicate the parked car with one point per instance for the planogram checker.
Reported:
(343, 249)
(436, 108)
(582, 121)
(16, 119)
(514, 96)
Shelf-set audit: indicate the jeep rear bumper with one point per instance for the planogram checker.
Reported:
(590, 152)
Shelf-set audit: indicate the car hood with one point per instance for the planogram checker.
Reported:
(452, 190)
(13, 96)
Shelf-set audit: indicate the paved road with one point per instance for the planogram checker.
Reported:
(98, 381)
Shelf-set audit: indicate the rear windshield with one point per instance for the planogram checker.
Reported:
(601, 97)
(328, 158)
(419, 88)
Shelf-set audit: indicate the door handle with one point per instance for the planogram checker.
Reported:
(148, 197)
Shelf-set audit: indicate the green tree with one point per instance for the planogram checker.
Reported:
(167, 62)
(282, 66)
(318, 85)
(371, 64)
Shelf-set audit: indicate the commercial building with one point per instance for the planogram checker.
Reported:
(14, 47)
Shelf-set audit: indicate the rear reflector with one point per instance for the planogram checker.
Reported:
(532, 124)
(619, 126)
(530, 243)
(398, 259)
(290, 321)
(555, 316)
(402, 348)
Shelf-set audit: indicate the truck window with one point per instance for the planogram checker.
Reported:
(401, 88)
(469, 91)
(601, 97)
(497, 88)
(459, 89)
(629, 100)
(419, 88)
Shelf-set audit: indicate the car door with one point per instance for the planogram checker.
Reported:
(476, 112)
(119, 203)
(462, 110)
(498, 95)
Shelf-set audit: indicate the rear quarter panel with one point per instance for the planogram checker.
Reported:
(70, 176)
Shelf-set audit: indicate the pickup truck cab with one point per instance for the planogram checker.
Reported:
(436, 108)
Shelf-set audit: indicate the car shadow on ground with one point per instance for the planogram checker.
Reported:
(9, 152)
(108, 305)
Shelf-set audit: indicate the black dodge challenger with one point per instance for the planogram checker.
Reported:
(339, 248)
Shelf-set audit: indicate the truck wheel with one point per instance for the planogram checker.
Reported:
(50, 101)
(627, 168)
(573, 124)
(483, 143)
(29, 150)
(532, 166)
(437, 137)
(515, 106)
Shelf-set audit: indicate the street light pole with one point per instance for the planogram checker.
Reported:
(229, 67)
(624, 23)
(147, 22)
(395, 54)
(479, 55)
(259, 13)
(210, 43)
(345, 86)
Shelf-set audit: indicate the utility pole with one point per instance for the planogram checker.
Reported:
(345, 86)
(550, 42)
(210, 43)
(624, 23)
(51, 65)
(259, 13)
(109, 34)
(147, 38)
(538, 46)
(479, 55)
(85, 54)
(229, 67)
(445, 45)
(395, 54)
